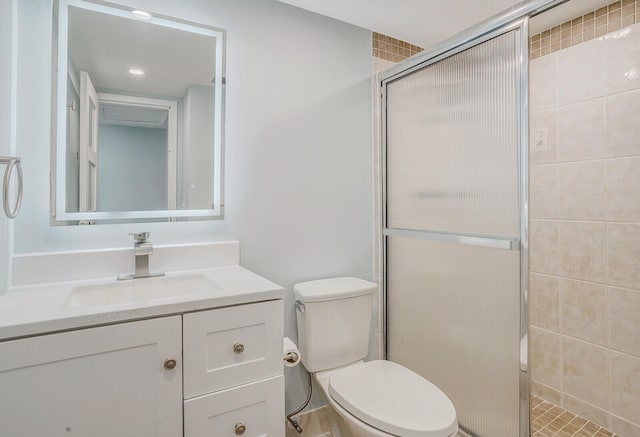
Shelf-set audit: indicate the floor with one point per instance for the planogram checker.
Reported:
(549, 420)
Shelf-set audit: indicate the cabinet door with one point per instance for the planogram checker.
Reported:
(231, 346)
(99, 382)
(251, 410)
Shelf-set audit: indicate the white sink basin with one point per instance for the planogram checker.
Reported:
(139, 291)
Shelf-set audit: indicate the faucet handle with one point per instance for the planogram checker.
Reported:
(140, 237)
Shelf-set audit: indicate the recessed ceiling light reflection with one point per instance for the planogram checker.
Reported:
(136, 72)
(142, 15)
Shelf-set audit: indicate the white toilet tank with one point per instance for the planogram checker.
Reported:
(334, 321)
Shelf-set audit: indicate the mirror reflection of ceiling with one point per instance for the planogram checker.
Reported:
(102, 45)
(133, 116)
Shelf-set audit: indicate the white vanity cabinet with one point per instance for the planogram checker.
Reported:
(221, 367)
(233, 383)
(105, 381)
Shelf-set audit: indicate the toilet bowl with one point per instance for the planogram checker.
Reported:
(382, 399)
(376, 398)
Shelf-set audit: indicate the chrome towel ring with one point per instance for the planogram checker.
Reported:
(12, 163)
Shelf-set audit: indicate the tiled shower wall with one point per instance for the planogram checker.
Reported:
(585, 229)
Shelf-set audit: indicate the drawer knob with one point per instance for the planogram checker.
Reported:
(238, 348)
(170, 364)
(240, 428)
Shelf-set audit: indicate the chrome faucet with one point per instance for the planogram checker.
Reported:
(142, 248)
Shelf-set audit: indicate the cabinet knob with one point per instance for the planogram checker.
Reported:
(238, 348)
(170, 364)
(240, 428)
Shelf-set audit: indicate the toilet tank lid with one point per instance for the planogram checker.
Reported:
(332, 289)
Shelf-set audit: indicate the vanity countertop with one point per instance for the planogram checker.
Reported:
(53, 307)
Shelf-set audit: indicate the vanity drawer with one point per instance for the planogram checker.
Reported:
(232, 346)
(251, 410)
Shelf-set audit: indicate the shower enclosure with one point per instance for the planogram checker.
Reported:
(455, 220)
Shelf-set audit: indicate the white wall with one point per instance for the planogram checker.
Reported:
(5, 126)
(298, 160)
(132, 170)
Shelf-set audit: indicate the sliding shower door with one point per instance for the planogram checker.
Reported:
(455, 227)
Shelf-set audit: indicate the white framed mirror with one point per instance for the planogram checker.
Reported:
(138, 116)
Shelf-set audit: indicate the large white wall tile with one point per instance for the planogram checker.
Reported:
(545, 357)
(623, 427)
(622, 60)
(586, 410)
(582, 191)
(581, 72)
(623, 124)
(543, 247)
(542, 91)
(583, 311)
(624, 313)
(623, 189)
(582, 250)
(544, 301)
(581, 131)
(625, 386)
(584, 370)
(623, 255)
(543, 191)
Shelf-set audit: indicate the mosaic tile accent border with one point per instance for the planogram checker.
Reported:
(549, 420)
(391, 49)
(614, 16)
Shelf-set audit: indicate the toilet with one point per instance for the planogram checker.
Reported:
(375, 398)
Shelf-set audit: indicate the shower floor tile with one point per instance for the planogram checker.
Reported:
(549, 420)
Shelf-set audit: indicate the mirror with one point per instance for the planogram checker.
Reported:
(138, 116)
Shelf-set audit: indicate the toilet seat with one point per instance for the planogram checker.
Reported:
(394, 399)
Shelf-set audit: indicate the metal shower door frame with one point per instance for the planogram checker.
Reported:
(521, 243)
(514, 19)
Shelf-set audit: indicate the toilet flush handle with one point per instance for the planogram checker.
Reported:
(300, 306)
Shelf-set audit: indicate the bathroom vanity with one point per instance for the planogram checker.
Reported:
(194, 353)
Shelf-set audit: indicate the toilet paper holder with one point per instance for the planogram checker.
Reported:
(291, 357)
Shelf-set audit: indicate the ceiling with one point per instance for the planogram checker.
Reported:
(107, 46)
(427, 22)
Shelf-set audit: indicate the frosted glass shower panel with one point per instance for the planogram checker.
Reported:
(452, 143)
(454, 314)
